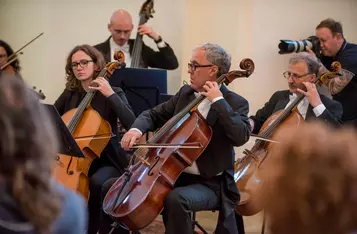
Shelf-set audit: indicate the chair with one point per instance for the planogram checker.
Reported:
(196, 223)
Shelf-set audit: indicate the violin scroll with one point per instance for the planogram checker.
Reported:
(247, 65)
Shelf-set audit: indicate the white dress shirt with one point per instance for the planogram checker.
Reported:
(114, 47)
(304, 104)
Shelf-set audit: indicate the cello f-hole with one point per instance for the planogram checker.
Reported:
(156, 160)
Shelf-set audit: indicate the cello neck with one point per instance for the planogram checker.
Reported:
(284, 114)
(182, 115)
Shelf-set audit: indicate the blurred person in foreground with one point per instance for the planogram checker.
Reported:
(312, 181)
(30, 201)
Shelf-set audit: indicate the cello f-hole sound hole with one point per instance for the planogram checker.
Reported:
(70, 173)
(156, 160)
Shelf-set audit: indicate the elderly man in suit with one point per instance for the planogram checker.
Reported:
(301, 74)
(208, 184)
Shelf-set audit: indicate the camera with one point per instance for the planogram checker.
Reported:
(290, 46)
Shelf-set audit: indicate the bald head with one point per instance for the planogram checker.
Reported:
(121, 16)
(120, 26)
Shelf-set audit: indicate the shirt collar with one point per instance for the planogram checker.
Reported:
(293, 96)
(124, 47)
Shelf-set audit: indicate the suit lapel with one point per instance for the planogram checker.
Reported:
(281, 104)
(106, 51)
(310, 113)
(187, 97)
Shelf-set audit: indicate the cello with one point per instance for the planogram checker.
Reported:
(247, 170)
(92, 134)
(137, 197)
(146, 11)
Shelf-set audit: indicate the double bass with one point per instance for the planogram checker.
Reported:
(92, 134)
(146, 11)
(137, 197)
(247, 170)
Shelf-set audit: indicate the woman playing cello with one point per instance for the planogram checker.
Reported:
(82, 68)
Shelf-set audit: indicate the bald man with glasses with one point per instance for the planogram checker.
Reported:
(301, 74)
(120, 28)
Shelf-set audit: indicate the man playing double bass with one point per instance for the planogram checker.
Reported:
(208, 184)
(302, 71)
(120, 27)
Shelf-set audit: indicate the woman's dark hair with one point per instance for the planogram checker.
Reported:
(9, 52)
(94, 54)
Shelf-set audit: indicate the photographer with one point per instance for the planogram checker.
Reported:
(334, 47)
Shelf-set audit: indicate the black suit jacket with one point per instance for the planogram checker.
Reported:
(227, 117)
(332, 115)
(165, 58)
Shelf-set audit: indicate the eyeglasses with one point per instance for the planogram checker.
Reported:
(295, 76)
(83, 63)
(193, 67)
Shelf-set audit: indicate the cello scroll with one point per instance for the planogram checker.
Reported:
(247, 65)
(336, 70)
(120, 63)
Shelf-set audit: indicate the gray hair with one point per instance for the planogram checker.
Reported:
(311, 61)
(217, 56)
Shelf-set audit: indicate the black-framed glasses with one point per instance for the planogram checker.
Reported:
(295, 76)
(193, 67)
(83, 63)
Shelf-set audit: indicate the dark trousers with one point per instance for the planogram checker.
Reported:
(178, 205)
(240, 224)
(191, 194)
(97, 180)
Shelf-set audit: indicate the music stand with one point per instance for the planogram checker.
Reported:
(68, 145)
(142, 86)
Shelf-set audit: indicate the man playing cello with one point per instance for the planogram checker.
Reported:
(208, 184)
(302, 71)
